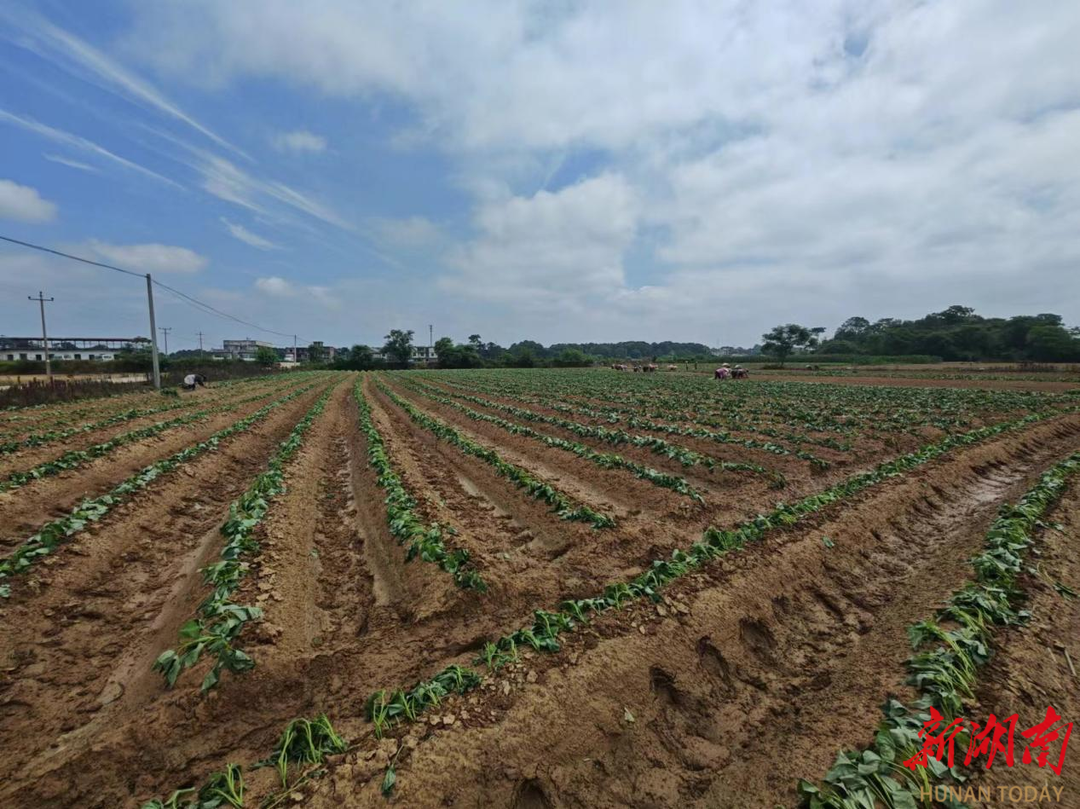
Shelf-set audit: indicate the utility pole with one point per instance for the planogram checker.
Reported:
(153, 331)
(200, 345)
(42, 300)
(295, 357)
(165, 330)
(430, 341)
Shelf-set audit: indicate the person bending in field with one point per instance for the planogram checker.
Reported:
(723, 372)
(192, 381)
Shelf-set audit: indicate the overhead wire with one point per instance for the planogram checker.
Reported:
(182, 296)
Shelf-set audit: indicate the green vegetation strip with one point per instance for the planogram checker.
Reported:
(606, 460)
(687, 457)
(306, 742)
(218, 620)
(73, 459)
(50, 436)
(59, 532)
(542, 635)
(944, 674)
(423, 541)
(538, 489)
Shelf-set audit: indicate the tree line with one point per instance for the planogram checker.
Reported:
(398, 351)
(955, 334)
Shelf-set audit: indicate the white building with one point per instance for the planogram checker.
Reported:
(243, 349)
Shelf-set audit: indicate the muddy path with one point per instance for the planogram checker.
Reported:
(750, 675)
(24, 509)
(80, 631)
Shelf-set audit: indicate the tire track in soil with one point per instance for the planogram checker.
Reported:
(24, 510)
(753, 673)
(77, 653)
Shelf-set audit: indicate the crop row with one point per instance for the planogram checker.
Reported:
(73, 459)
(303, 742)
(945, 664)
(605, 460)
(542, 635)
(426, 542)
(692, 412)
(50, 436)
(538, 489)
(218, 620)
(814, 406)
(60, 531)
(658, 446)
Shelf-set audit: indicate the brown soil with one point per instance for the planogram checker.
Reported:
(750, 674)
(29, 457)
(746, 679)
(25, 509)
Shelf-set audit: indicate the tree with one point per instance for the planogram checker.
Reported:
(852, 329)
(398, 347)
(1052, 344)
(571, 358)
(475, 342)
(316, 352)
(782, 340)
(361, 358)
(444, 352)
(521, 358)
(266, 357)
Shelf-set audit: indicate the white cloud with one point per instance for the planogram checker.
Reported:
(551, 249)
(243, 234)
(79, 142)
(752, 163)
(67, 161)
(299, 141)
(24, 204)
(275, 286)
(152, 258)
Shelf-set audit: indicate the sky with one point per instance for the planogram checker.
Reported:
(557, 171)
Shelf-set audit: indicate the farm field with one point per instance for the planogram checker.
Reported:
(520, 588)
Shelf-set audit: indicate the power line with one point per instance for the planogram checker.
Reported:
(68, 255)
(204, 307)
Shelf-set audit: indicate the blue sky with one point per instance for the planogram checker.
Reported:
(559, 172)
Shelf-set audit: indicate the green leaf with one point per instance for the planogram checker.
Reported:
(388, 781)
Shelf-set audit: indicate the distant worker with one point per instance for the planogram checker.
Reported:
(740, 373)
(192, 381)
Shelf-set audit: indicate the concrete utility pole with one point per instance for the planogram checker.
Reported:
(42, 300)
(153, 331)
(295, 357)
(165, 330)
(200, 345)
(430, 341)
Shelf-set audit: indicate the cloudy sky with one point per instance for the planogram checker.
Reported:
(558, 171)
